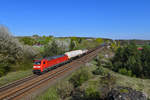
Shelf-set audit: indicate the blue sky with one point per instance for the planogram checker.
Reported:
(125, 19)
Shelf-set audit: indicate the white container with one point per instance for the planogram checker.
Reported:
(84, 51)
(75, 53)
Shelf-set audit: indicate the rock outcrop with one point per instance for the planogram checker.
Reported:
(125, 93)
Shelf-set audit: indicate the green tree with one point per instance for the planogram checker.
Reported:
(145, 58)
(128, 57)
(80, 77)
(28, 40)
(99, 40)
(72, 45)
(52, 50)
(124, 71)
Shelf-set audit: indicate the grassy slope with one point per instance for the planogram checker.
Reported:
(13, 76)
(122, 80)
(135, 83)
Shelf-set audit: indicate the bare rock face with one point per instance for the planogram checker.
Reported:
(125, 93)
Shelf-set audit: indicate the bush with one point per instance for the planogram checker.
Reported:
(80, 77)
(124, 71)
(64, 89)
(98, 59)
(99, 71)
(106, 84)
(92, 94)
(109, 81)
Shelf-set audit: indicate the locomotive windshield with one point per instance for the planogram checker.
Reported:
(37, 63)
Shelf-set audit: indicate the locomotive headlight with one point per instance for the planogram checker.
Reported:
(36, 66)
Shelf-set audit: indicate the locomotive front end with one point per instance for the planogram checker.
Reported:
(37, 67)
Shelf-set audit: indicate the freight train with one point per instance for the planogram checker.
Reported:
(46, 64)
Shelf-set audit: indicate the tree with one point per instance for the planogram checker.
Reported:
(28, 40)
(128, 57)
(36, 36)
(52, 50)
(124, 71)
(145, 58)
(99, 40)
(72, 45)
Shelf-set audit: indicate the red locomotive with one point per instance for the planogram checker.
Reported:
(49, 63)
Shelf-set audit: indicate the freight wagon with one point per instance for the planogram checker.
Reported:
(49, 63)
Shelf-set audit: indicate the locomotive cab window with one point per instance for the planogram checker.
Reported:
(44, 62)
(37, 63)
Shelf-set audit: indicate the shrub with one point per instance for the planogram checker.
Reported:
(92, 94)
(109, 81)
(124, 91)
(80, 77)
(64, 89)
(99, 71)
(106, 84)
(78, 94)
(124, 71)
(98, 60)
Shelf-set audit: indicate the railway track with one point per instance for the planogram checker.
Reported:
(15, 83)
(20, 88)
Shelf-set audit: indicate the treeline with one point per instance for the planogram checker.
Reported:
(35, 40)
(55, 46)
(128, 60)
(59, 46)
(43, 40)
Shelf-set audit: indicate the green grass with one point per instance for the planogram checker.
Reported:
(13, 76)
(50, 94)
